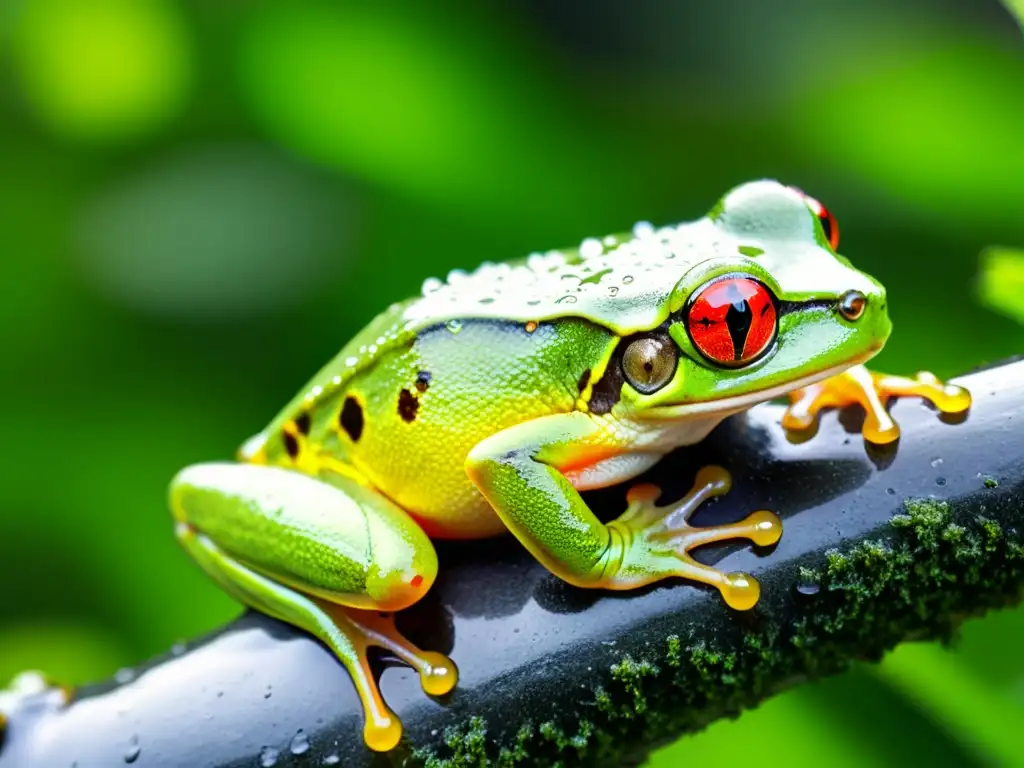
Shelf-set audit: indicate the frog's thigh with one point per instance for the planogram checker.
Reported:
(298, 548)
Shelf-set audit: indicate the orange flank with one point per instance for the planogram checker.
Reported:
(572, 460)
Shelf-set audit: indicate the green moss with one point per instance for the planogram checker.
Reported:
(918, 579)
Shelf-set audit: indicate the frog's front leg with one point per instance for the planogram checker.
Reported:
(872, 391)
(525, 472)
(325, 555)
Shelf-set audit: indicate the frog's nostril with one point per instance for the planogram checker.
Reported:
(852, 305)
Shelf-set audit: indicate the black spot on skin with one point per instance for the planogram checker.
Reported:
(352, 418)
(422, 380)
(291, 445)
(303, 423)
(584, 380)
(407, 405)
(608, 389)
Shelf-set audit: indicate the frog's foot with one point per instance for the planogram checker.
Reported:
(348, 632)
(651, 542)
(369, 629)
(872, 391)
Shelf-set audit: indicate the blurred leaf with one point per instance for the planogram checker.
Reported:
(434, 105)
(70, 654)
(213, 232)
(1016, 7)
(928, 118)
(102, 70)
(981, 718)
(761, 739)
(1001, 282)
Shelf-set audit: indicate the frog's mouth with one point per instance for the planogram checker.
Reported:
(726, 406)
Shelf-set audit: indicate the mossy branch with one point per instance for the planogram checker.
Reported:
(879, 547)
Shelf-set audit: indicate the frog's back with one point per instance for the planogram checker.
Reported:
(407, 398)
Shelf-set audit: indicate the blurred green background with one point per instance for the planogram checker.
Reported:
(201, 201)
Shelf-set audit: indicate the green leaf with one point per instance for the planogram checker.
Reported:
(1001, 282)
(1017, 8)
(102, 70)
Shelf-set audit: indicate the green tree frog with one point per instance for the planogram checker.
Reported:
(487, 404)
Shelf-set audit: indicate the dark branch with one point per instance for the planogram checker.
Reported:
(877, 548)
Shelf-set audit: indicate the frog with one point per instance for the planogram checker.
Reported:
(489, 403)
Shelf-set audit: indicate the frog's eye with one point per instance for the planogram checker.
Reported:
(732, 321)
(649, 364)
(829, 225)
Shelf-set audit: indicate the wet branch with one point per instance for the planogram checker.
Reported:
(878, 548)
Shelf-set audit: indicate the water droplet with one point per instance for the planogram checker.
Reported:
(431, 285)
(134, 750)
(332, 759)
(457, 276)
(613, 291)
(454, 325)
(940, 481)
(807, 585)
(936, 462)
(178, 649)
(591, 247)
(891, 491)
(124, 675)
(643, 229)
(627, 279)
(610, 240)
(351, 361)
(300, 743)
(268, 757)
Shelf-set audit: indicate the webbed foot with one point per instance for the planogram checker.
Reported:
(872, 391)
(382, 729)
(655, 541)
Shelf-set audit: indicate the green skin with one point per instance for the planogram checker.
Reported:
(488, 403)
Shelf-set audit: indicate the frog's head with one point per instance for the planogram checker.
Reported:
(768, 306)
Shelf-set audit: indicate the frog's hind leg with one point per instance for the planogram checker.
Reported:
(872, 391)
(325, 557)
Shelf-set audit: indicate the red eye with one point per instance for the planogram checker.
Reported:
(828, 222)
(732, 320)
